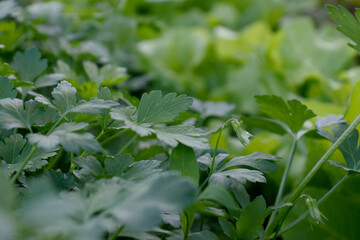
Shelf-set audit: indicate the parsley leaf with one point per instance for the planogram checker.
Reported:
(154, 108)
(348, 24)
(349, 148)
(183, 160)
(293, 113)
(29, 65)
(67, 136)
(65, 101)
(6, 90)
(15, 114)
(14, 151)
(108, 75)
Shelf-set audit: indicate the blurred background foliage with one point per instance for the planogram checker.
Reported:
(221, 51)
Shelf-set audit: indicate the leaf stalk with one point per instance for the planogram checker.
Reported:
(275, 226)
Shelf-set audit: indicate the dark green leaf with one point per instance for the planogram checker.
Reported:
(90, 164)
(118, 164)
(249, 226)
(292, 113)
(6, 90)
(183, 160)
(348, 24)
(14, 151)
(349, 147)
(228, 228)
(154, 108)
(29, 65)
(204, 235)
(220, 195)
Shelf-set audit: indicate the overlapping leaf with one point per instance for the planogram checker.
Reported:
(237, 169)
(348, 24)
(292, 113)
(154, 108)
(14, 113)
(120, 165)
(108, 75)
(29, 65)
(68, 137)
(14, 151)
(349, 148)
(249, 224)
(65, 101)
(6, 90)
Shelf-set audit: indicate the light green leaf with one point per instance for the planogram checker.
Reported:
(249, 225)
(13, 113)
(49, 80)
(154, 108)
(7, 7)
(187, 135)
(183, 160)
(93, 106)
(64, 97)
(128, 116)
(171, 135)
(66, 135)
(257, 160)
(241, 133)
(292, 113)
(348, 24)
(139, 208)
(5, 70)
(29, 65)
(6, 90)
(212, 109)
(206, 160)
(241, 175)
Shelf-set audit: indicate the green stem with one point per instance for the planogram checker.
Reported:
(187, 230)
(113, 137)
(33, 149)
(215, 151)
(100, 135)
(114, 236)
(299, 219)
(276, 224)
(55, 125)
(54, 160)
(127, 145)
(283, 180)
